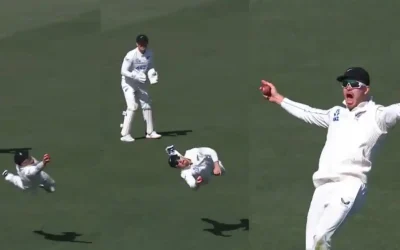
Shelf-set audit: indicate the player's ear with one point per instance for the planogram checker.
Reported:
(366, 90)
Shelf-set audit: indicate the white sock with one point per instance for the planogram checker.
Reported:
(126, 126)
(148, 119)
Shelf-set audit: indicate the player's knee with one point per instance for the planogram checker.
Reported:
(309, 243)
(321, 241)
(319, 238)
(133, 107)
(146, 106)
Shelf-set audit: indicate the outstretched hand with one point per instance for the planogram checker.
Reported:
(46, 159)
(274, 96)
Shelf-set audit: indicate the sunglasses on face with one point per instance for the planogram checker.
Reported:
(353, 84)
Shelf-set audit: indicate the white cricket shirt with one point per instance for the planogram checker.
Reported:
(29, 174)
(203, 159)
(135, 60)
(353, 137)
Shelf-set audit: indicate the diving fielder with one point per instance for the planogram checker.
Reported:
(197, 165)
(30, 174)
(137, 73)
(354, 132)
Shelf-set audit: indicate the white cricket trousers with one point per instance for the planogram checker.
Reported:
(23, 183)
(136, 95)
(331, 204)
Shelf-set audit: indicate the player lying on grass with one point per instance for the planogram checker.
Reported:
(30, 174)
(197, 165)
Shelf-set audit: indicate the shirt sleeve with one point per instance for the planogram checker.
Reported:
(35, 160)
(126, 65)
(387, 117)
(209, 151)
(190, 180)
(310, 115)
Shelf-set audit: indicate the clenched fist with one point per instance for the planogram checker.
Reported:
(273, 95)
(46, 158)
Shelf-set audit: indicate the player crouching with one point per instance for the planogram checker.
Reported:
(197, 165)
(30, 174)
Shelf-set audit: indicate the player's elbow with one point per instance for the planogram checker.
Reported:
(124, 73)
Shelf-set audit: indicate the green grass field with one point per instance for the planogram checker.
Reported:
(59, 71)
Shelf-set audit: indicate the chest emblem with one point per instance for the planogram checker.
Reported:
(336, 115)
(359, 114)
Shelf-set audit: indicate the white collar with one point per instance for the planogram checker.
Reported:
(361, 105)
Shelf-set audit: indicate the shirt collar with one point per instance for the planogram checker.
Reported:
(361, 105)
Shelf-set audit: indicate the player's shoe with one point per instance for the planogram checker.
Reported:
(50, 189)
(5, 173)
(153, 135)
(127, 138)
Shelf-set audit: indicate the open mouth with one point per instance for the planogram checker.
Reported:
(349, 96)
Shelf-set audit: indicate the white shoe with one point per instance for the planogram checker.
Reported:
(153, 135)
(50, 189)
(5, 173)
(127, 138)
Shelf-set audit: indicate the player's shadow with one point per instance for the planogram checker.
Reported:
(219, 228)
(64, 237)
(171, 133)
(12, 150)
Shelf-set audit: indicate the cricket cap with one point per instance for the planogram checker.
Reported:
(173, 160)
(355, 73)
(142, 39)
(20, 156)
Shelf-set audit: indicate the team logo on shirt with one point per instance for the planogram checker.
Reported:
(345, 202)
(196, 169)
(336, 115)
(141, 67)
(359, 114)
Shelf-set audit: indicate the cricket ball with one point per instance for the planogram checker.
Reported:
(265, 90)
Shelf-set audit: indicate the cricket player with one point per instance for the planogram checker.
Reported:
(197, 165)
(354, 132)
(137, 73)
(30, 174)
